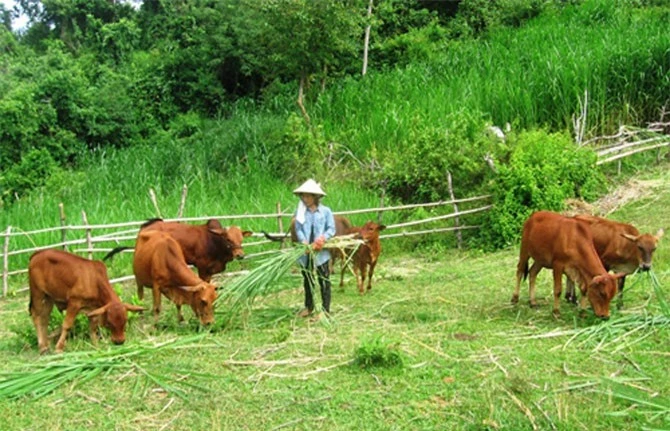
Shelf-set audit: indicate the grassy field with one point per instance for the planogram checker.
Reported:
(434, 345)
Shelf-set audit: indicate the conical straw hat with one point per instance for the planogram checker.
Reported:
(310, 186)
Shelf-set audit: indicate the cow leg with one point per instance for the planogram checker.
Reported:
(140, 290)
(359, 281)
(570, 294)
(40, 315)
(532, 278)
(521, 271)
(364, 273)
(68, 322)
(156, 293)
(619, 302)
(180, 317)
(93, 323)
(372, 271)
(558, 287)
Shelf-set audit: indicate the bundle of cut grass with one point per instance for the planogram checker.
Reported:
(48, 374)
(264, 279)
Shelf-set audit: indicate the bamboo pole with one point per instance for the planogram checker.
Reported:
(88, 234)
(182, 203)
(280, 223)
(5, 264)
(63, 236)
(152, 196)
(459, 236)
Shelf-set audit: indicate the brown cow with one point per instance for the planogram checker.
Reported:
(621, 248)
(159, 264)
(565, 245)
(73, 284)
(208, 247)
(365, 257)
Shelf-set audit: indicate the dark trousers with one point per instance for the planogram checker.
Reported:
(323, 275)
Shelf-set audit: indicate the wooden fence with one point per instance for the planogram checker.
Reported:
(88, 243)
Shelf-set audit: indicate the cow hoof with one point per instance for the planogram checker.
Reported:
(556, 314)
(533, 305)
(515, 299)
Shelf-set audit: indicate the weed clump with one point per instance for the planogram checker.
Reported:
(378, 352)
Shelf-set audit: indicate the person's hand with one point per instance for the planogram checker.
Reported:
(318, 243)
(307, 249)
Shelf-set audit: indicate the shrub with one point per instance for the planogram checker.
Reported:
(33, 171)
(544, 170)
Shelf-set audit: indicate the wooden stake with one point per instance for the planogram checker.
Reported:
(152, 196)
(459, 236)
(366, 42)
(5, 264)
(89, 243)
(184, 192)
(280, 224)
(63, 236)
(381, 207)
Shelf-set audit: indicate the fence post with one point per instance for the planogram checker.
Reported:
(280, 224)
(152, 196)
(5, 264)
(381, 205)
(459, 236)
(184, 191)
(63, 235)
(88, 235)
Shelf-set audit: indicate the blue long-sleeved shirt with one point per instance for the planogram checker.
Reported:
(317, 223)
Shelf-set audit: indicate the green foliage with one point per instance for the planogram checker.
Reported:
(378, 352)
(33, 171)
(416, 170)
(543, 171)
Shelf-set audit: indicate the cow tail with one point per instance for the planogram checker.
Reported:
(115, 251)
(525, 271)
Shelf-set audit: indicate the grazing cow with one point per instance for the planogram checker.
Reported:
(565, 245)
(365, 257)
(208, 247)
(621, 248)
(159, 264)
(74, 284)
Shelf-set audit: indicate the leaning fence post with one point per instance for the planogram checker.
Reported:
(152, 196)
(459, 236)
(184, 191)
(5, 263)
(89, 243)
(280, 224)
(63, 235)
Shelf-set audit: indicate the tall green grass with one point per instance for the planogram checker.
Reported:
(529, 77)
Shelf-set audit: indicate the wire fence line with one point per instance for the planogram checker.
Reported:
(89, 243)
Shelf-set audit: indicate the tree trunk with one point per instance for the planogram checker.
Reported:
(301, 105)
(366, 43)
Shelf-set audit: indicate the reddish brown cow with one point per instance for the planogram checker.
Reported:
(159, 264)
(208, 247)
(74, 284)
(365, 257)
(565, 245)
(621, 248)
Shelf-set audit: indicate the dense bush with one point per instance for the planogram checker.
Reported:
(543, 171)
(416, 170)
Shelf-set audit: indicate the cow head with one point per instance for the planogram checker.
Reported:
(202, 301)
(114, 317)
(370, 231)
(646, 245)
(600, 292)
(230, 239)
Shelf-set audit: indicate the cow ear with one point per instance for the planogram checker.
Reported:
(381, 227)
(659, 234)
(97, 311)
(247, 233)
(598, 279)
(130, 307)
(629, 237)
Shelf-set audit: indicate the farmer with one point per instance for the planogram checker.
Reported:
(314, 224)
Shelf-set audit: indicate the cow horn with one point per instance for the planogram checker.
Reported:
(97, 311)
(217, 231)
(130, 307)
(196, 288)
(629, 237)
